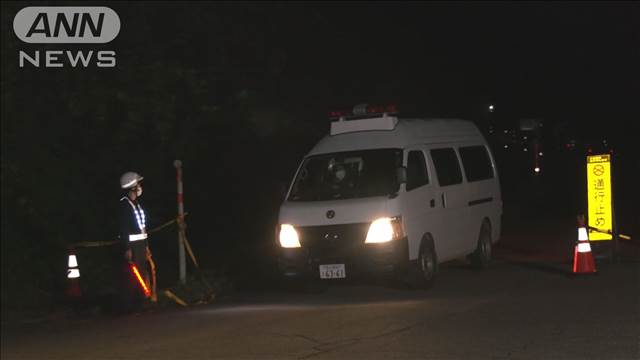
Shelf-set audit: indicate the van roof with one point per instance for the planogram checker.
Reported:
(406, 132)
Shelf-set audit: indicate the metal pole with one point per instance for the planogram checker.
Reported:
(182, 265)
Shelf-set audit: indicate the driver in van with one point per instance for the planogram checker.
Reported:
(341, 180)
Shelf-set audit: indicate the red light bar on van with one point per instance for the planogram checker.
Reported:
(338, 114)
(364, 110)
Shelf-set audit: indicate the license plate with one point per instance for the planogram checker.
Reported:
(332, 271)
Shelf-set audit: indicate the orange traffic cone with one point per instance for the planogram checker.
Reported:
(583, 262)
(73, 275)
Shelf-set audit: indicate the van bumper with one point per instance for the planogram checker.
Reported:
(368, 259)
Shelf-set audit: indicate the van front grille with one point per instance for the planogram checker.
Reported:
(333, 241)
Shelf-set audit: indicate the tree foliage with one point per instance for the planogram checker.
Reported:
(200, 86)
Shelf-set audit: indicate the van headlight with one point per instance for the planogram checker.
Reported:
(384, 230)
(288, 236)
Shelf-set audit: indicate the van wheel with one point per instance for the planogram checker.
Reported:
(481, 257)
(426, 268)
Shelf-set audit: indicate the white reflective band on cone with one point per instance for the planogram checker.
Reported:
(137, 237)
(582, 234)
(584, 247)
(73, 262)
(73, 274)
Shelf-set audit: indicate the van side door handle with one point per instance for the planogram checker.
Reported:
(432, 202)
(444, 203)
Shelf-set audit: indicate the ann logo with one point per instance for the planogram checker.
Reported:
(66, 24)
(77, 27)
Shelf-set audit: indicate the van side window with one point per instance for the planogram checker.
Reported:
(447, 166)
(476, 163)
(416, 170)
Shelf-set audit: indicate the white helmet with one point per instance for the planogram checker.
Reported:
(130, 179)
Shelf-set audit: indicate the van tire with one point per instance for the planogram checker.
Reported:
(425, 269)
(482, 256)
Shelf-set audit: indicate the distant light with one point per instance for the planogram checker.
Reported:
(525, 149)
(506, 146)
(506, 131)
(536, 169)
(540, 153)
(524, 137)
(491, 108)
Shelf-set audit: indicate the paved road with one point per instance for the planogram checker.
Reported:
(512, 311)
(526, 306)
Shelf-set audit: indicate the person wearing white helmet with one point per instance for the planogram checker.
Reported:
(133, 236)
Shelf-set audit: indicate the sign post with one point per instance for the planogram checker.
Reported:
(600, 200)
(182, 265)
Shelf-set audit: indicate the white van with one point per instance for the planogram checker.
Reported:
(397, 196)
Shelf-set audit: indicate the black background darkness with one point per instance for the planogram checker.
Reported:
(240, 92)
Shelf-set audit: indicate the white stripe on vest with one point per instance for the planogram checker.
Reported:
(137, 237)
(140, 218)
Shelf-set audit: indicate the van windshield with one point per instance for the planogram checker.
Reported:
(347, 175)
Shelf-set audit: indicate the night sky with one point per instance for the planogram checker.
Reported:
(566, 61)
(563, 61)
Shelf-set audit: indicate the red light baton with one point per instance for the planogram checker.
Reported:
(134, 270)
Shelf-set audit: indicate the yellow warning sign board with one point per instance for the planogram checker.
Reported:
(599, 195)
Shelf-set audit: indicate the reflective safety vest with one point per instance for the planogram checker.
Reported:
(140, 219)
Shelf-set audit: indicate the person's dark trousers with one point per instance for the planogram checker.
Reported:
(131, 295)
